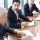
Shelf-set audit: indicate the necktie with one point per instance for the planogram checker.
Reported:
(30, 8)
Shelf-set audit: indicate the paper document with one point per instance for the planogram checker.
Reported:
(31, 23)
(28, 33)
(34, 38)
(38, 18)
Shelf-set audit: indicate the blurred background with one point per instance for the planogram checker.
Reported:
(7, 3)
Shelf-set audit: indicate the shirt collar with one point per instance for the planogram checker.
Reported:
(14, 10)
(29, 5)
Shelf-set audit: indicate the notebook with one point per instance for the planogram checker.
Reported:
(28, 33)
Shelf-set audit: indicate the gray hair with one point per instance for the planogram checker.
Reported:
(3, 10)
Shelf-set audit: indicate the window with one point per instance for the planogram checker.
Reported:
(37, 3)
(25, 1)
(9, 3)
(2, 3)
(21, 5)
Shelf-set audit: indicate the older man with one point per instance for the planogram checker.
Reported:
(3, 19)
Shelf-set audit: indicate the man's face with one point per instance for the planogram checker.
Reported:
(3, 19)
(16, 6)
(32, 1)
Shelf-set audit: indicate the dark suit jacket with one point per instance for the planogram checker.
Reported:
(4, 29)
(27, 10)
(13, 19)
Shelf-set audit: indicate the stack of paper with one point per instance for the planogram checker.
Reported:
(31, 23)
(28, 33)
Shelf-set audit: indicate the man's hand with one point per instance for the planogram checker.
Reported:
(30, 20)
(20, 33)
(35, 13)
(24, 24)
(27, 38)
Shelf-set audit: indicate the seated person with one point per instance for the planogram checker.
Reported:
(3, 19)
(14, 14)
(30, 8)
(37, 30)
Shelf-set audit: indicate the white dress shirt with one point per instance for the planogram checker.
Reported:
(16, 14)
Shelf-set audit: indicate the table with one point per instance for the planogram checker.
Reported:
(31, 17)
(15, 36)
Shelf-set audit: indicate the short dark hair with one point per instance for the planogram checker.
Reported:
(16, 1)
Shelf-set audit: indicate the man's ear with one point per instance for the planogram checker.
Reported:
(36, 30)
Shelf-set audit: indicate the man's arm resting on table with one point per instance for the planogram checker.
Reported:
(8, 29)
(24, 18)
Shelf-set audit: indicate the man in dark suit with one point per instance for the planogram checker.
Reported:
(30, 9)
(3, 29)
(14, 14)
